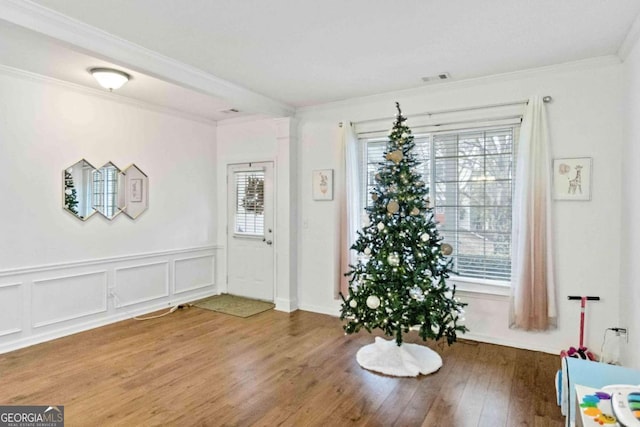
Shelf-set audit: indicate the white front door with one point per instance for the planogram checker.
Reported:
(250, 231)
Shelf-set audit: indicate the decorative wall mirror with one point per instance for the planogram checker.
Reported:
(78, 189)
(107, 191)
(136, 191)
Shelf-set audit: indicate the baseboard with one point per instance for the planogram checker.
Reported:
(286, 305)
(335, 311)
(508, 343)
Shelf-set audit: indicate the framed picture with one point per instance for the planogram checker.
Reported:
(572, 178)
(322, 184)
(135, 190)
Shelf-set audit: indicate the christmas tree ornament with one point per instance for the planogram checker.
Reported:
(373, 302)
(425, 237)
(393, 259)
(380, 226)
(374, 197)
(367, 251)
(395, 156)
(393, 207)
(415, 212)
(446, 249)
(353, 303)
(416, 293)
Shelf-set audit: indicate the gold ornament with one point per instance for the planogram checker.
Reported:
(377, 177)
(374, 197)
(446, 249)
(415, 211)
(393, 207)
(395, 156)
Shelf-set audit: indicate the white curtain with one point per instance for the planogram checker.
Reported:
(349, 204)
(533, 300)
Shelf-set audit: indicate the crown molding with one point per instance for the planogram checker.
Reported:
(110, 96)
(584, 64)
(98, 42)
(630, 40)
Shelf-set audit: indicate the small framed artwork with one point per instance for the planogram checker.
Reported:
(322, 184)
(135, 190)
(572, 178)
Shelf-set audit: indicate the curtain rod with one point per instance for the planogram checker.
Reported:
(484, 124)
(545, 99)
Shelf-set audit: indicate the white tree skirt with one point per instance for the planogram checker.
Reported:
(407, 360)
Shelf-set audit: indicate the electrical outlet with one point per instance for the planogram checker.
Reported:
(625, 332)
(621, 332)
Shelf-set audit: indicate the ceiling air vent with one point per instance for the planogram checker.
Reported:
(437, 78)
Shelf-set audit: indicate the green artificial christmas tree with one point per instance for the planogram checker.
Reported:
(399, 281)
(70, 194)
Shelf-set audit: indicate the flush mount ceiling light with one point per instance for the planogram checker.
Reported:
(109, 78)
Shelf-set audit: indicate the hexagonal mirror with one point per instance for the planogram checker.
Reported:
(78, 189)
(136, 191)
(108, 195)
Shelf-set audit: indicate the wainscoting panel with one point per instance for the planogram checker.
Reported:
(10, 308)
(59, 299)
(43, 302)
(141, 283)
(193, 273)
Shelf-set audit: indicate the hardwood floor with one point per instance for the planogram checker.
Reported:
(199, 368)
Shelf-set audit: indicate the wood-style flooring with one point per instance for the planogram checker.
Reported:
(200, 368)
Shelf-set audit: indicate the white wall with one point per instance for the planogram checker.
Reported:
(630, 290)
(585, 120)
(48, 253)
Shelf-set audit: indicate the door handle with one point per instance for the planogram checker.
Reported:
(268, 242)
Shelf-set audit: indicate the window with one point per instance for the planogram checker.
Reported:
(470, 177)
(249, 203)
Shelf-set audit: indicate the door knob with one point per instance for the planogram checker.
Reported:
(268, 242)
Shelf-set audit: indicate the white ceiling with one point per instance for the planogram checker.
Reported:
(27, 50)
(306, 52)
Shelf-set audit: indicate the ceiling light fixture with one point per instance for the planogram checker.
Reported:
(109, 78)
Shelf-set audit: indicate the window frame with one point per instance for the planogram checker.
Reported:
(473, 284)
(259, 224)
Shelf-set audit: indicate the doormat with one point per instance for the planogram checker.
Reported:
(233, 305)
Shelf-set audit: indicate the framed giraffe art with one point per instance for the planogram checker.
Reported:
(572, 178)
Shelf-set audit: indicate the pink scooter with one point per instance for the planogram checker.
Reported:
(581, 352)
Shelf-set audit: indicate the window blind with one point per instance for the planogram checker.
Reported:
(249, 203)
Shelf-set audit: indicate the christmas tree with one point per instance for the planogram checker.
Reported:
(70, 194)
(399, 282)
